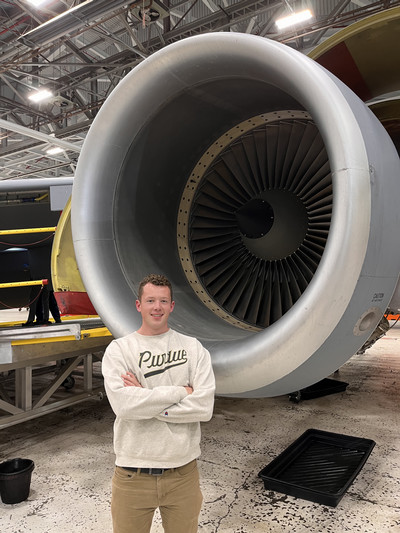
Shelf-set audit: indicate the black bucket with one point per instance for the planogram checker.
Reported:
(15, 480)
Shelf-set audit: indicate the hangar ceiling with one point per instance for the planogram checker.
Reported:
(80, 50)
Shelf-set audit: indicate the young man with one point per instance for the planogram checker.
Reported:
(160, 385)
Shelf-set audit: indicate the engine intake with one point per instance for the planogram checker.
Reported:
(266, 191)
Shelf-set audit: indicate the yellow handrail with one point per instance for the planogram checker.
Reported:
(27, 230)
(23, 283)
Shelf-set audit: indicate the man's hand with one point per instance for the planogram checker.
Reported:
(130, 380)
(189, 390)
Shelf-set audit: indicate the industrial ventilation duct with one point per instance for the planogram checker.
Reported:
(262, 187)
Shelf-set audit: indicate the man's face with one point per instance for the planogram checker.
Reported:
(155, 307)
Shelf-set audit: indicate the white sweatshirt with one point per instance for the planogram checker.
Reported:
(158, 426)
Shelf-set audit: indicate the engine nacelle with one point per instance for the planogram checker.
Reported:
(262, 187)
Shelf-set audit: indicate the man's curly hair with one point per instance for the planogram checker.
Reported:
(155, 279)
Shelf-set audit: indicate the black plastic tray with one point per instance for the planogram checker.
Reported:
(319, 466)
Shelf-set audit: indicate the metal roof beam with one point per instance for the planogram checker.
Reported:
(28, 132)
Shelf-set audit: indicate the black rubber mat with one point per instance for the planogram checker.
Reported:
(322, 388)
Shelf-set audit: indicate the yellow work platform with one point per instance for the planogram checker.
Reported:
(46, 368)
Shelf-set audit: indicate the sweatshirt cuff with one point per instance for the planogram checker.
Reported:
(183, 394)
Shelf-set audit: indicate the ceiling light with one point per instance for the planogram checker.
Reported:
(55, 150)
(39, 96)
(71, 20)
(294, 18)
(36, 3)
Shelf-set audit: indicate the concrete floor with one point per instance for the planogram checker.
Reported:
(73, 455)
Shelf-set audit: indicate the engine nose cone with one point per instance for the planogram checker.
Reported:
(255, 218)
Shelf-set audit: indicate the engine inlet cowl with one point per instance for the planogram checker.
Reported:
(262, 187)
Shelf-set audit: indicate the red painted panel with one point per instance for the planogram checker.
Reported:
(74, 303)
(340, 62)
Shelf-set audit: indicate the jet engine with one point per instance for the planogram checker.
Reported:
(262, 187)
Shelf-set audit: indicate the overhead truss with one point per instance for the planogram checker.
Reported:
(80, 50)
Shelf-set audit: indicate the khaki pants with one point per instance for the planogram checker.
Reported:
(135, 497)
